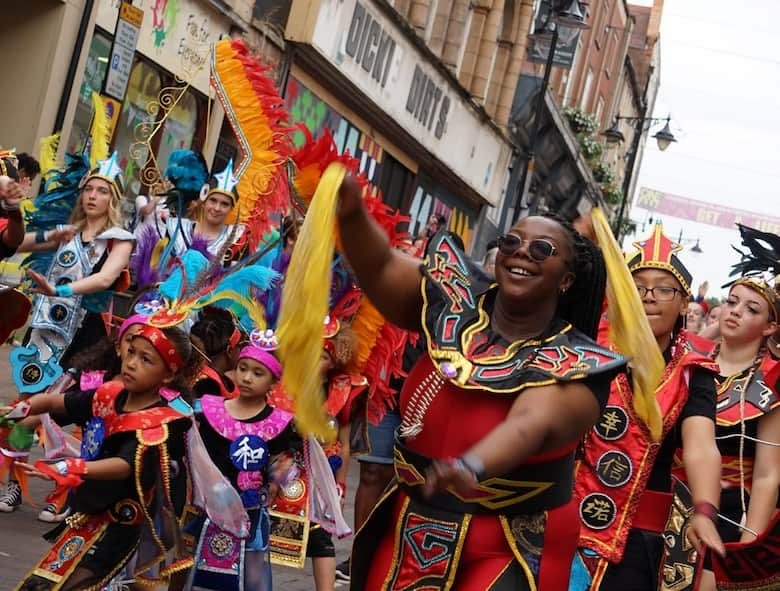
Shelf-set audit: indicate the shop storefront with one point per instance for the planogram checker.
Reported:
(421, 142)
(171, 62)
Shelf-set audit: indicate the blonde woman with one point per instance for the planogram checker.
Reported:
(89, 257)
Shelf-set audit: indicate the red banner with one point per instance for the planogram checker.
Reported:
(703, 212)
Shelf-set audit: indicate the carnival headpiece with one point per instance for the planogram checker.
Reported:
(261, 343)
(223, 183)
(188, 172)
(762, 256)
(108, 170)
(659, 252)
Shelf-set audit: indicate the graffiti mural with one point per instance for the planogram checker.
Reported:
(428, 199)
(306, 107)
(164, 13)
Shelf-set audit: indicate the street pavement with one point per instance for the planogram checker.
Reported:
(21, 545)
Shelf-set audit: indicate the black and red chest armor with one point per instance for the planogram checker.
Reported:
(466, 383)
(618, 455)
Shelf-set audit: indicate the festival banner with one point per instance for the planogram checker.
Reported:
(704, 213)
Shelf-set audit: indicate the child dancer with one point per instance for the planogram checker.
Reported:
(133, 431)
(241, 434)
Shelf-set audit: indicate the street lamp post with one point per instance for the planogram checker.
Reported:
(571, 17)
(664, 138)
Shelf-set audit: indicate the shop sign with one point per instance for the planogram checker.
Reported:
(376, 56)
(177, 34)
(120, 62)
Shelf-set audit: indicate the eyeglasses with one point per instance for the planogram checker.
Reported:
(661, 293)
(539, 249)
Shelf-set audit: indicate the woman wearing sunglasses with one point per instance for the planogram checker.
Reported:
(492, 412)
(623, 481)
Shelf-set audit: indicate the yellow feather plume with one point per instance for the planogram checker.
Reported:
(48, 154)
(98, 131)
(629, 329)
(157, 251)
(305, 305)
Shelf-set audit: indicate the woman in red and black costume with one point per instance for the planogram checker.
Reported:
(492, 414)
(623, 482)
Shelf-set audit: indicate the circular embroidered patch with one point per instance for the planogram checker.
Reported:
(221, 545)
(70, 548)
(31, 373)
(612, 424)
(58, 313)
(249, 453)
(614, 468)
(67, 258)
(294, 490)
(598, 511)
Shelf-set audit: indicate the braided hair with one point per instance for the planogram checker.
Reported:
(214, 331)
(582, 303)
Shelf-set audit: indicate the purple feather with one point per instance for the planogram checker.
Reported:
(141, 263)
(200, 244)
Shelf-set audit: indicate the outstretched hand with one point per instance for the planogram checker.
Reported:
(31, 470)
(44, 286)
(703, 534)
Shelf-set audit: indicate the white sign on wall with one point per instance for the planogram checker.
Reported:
(375, 55)
(177, 34)
(123, 49)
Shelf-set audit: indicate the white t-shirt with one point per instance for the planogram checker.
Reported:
(156, 218)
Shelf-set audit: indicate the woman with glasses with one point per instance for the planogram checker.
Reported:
(492, 412)
(623, 482)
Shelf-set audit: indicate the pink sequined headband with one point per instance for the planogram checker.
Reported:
(264, 357)
(134, 319)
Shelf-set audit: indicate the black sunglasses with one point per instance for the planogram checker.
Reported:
(539, 249)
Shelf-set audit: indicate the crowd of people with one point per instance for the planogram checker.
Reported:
(504, 438)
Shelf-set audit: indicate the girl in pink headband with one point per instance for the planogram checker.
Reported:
(241, 434)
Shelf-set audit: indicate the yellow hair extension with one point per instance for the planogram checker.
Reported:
(305, 305)
(98, 131)
(629, 329)
(48, 154)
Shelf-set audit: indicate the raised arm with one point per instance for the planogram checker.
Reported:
(390, 278)
(117, 260)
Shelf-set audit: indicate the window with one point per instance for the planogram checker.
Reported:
(179, 129)
(144, 86)
(599, 107)
(585, 98)
(395, 181)
(97, 64)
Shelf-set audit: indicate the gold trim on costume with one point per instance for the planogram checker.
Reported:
(510, 539)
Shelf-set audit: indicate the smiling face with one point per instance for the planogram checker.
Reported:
(745, 317)
(96, 198)
(216, 208)
(663, 315)
(143, 369)
(523, 279)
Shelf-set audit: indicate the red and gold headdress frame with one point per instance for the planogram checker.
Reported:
(659, 252)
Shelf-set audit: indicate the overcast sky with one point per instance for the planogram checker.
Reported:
(719, 78)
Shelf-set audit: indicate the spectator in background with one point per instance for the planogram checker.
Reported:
(29, 169)
(694, 317)
(713, 316)
(436, 222)
(489, 262)
(11, 194)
